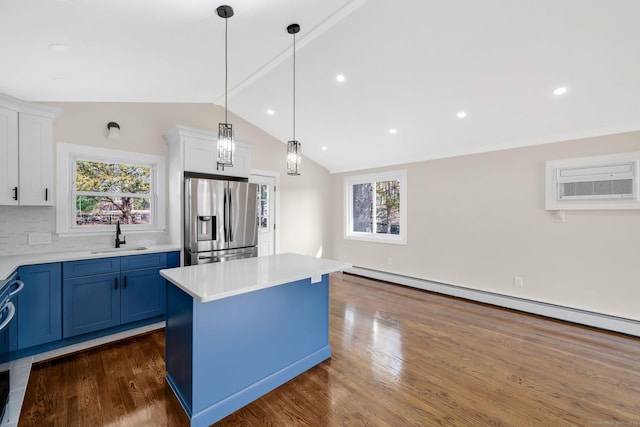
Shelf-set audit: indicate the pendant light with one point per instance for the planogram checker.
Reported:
(294, 148)
(226, 144)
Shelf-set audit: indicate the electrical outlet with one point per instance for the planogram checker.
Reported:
(39, 238)
(390, 261)
(518, 281)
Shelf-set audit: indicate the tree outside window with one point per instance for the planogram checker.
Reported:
(107, 192)
(375, 207)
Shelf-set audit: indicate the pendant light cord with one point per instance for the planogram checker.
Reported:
(226, 69)
(294, 86)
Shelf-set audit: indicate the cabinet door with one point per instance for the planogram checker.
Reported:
(173, 259)
(90, 303)
(143, 294)
(35, 160)
(39, 304)
(200, 155)
(8, 157)
(241, 162)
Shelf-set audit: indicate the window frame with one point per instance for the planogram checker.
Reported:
(350, 181)
(68, 154)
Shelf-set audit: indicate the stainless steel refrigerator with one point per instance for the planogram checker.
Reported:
(221, 221)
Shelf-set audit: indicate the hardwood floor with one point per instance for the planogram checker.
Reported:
(401, 357)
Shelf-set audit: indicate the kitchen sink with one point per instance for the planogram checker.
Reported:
(108, 251)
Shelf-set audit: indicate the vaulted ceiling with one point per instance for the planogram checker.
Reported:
(408, 65)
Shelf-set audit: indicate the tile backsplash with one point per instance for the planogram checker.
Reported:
(16, 222)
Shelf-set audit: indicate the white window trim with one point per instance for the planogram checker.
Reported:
(349, 181)
(66, 156)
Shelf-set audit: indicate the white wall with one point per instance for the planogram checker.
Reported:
(477, 221)
(304, 211)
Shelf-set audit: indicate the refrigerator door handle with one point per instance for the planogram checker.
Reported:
(224, 218)
(230, 216)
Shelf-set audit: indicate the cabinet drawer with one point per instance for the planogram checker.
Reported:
(89, 267)
(136, 262)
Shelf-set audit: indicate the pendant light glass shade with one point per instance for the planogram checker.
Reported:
(294, 148)
(294, 157)
(226, 144)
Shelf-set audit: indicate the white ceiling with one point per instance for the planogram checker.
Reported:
(409, 64)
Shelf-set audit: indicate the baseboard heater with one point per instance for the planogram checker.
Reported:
(583, 317)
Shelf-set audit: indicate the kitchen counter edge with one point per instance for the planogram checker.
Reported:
(8, 264)
(267, 271)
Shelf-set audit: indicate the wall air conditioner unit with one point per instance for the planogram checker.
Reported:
(601, 182)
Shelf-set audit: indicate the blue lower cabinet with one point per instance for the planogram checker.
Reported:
(121, 290)
(90, 303)
(173, 259)
(143, 294)
(39, 305)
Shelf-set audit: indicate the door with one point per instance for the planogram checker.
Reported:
(266, 201)
(242, 208)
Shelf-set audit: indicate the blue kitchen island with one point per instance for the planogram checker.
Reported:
(237, 330)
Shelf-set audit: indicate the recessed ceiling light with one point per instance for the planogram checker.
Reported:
(324, 148)
(461, 114)
(270, 112)
(340, 78)
(57, 47)
(560, 91)
(393, 131)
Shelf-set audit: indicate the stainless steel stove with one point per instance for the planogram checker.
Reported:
(8, 290)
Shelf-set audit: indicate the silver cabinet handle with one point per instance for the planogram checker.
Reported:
(12, 312)
(18, 288)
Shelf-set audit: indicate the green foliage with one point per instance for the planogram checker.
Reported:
(85, 204)
(116, 178)
(112, 177)
(388, 207)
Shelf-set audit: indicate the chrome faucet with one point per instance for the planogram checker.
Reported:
(118, 233)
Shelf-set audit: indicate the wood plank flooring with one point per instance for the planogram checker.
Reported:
(401, 357)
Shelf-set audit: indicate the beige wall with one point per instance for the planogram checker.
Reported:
(477, 221)
(304, 212)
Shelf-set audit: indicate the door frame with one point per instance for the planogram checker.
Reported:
(276, 201)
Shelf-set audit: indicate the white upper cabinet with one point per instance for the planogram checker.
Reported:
(36, 160)
(8, 157)
(26, 148)
(199, 150)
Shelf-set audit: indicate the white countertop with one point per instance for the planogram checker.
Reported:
(209, 282)
(9, 263)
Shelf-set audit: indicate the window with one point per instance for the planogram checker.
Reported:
(375, 207)
(107, 192)
(263, 208)
(98, 187)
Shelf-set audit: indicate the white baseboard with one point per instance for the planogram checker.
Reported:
(602, 321)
